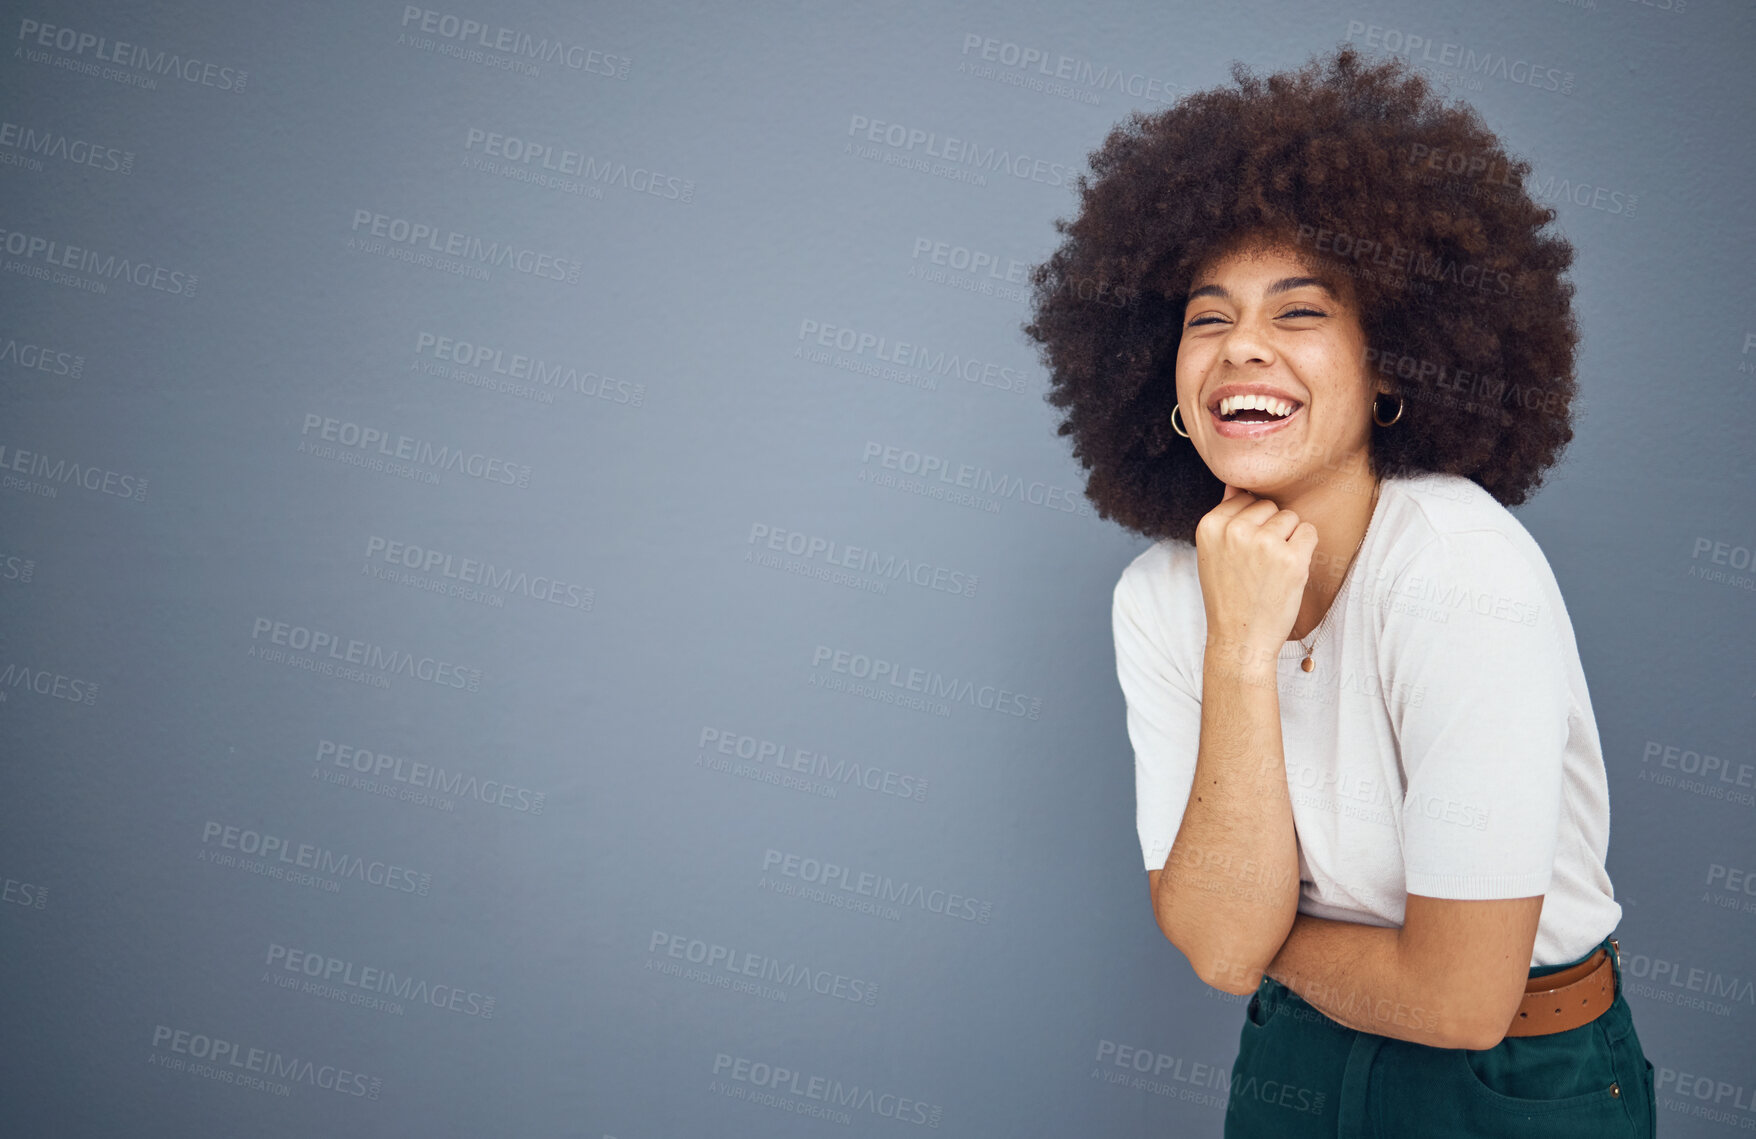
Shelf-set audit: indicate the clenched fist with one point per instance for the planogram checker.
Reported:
(1254, 559)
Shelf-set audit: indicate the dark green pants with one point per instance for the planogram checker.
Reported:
(1299, 1073)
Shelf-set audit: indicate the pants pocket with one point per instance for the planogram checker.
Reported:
(1558, 1086)
(1257, 1013)
(1289, 1066)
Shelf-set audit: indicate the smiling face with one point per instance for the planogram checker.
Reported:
(1261, 326)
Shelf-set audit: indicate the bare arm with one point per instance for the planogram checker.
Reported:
(1451, 977)
(1229, 890)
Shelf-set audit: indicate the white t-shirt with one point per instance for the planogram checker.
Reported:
(1444, 742)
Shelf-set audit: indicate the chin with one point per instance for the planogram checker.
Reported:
(1251, 477)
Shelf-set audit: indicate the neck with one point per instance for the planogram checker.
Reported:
(1340, 509)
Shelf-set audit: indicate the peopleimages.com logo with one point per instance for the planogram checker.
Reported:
(235, 1063)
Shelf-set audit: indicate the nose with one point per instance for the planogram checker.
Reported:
(1245, 343)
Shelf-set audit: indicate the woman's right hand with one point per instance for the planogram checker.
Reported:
(1254, 559)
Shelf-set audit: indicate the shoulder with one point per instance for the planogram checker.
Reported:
(1454, 549)
(1158, 595)
(1160, 575)
(1451, 518)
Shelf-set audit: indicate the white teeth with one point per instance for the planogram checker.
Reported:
(1279, 407)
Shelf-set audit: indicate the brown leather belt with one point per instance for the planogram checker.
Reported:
(1576, 995)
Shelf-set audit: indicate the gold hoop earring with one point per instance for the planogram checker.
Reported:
(1393, 418)
(1176, 407)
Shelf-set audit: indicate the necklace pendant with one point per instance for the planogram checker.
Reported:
(1307, 666)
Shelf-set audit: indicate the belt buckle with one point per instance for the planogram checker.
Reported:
(1614, 945)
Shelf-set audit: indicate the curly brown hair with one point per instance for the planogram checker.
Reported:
(1368, 177)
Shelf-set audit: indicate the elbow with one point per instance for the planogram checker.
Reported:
(1238, 980)
(1473, 1027)
(1227, 975)
(1220, 959)
(1232, 973)
(1479, 1021)
(1474, 1037)
(1487, 1041)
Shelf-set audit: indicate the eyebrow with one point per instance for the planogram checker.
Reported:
(1285, 284)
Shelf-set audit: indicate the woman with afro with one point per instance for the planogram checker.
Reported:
(1310, 338)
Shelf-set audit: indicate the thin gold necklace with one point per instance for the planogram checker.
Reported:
(1346, 581)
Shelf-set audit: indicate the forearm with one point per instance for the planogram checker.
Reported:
(1363, 977)
(1230, 886)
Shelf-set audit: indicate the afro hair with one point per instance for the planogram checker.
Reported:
(1367, 176)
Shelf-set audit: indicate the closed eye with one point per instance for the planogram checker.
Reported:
(1284, 315)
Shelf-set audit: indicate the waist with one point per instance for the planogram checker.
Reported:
(1541, 979)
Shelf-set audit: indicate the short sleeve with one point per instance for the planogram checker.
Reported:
(1164, 720)
(1478, 684)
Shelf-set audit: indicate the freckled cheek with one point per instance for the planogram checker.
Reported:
(1188, 381)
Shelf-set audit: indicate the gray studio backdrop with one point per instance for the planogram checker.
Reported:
(541, 595)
